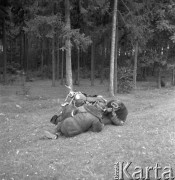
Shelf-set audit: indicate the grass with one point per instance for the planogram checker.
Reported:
(147, 138)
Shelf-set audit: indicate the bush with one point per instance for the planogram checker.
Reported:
(125, 80)
(47, 72)
(13, 68)
(85, 73)
(44, 73)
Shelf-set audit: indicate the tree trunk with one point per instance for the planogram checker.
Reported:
(11, 50)
(68, 46)
(62, 67)
(53, 61)
(58, 61)
(144, 73)
(172, 80)
(115, 61)
(84, 60)
(26, 52)
(92, 62)
(159, 78)
(21, 50)
(78, 68)
(103, 60)
(47, 55)
(4, 53)
(135, 66)
(42, 54)
(111, 85)
(153, 69)
(29, 60)
(16, 50)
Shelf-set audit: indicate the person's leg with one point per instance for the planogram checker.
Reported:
(97, 126)
(70, 127)
(50, 135)
(55, 134)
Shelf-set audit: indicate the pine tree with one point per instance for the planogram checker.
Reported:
(137, 22)
(68, 45)
(111, 85)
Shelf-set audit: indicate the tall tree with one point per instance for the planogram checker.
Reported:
(93, 15)
(103, 61)
(172, 77)
(62, 66)
(166, 27)
(53, 61)
(139, 28)
(68, 45)
(4, 51)
(53, 49)
(58, 61)
(78, 68)
(111, 85)
(46, 24)
(42, 53)
(22, 49)
(92, 62)
(115, 61)
(135, 65)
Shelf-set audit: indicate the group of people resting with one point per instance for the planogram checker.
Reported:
(83, 113)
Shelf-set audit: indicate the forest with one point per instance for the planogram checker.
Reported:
(123, 41)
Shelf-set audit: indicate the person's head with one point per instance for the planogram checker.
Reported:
(119, 108)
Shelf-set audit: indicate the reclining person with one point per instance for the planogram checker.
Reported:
(114, 112)
(75, 122)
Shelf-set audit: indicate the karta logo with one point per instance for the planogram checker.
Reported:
(123, 171)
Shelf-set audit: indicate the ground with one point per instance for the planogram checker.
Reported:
(147, 138)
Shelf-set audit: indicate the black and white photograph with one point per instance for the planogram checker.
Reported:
(87, 89)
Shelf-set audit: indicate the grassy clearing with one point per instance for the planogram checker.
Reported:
(147, 138)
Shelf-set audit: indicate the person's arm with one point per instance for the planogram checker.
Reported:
(115, 120)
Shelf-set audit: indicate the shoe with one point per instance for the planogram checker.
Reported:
(50, 135)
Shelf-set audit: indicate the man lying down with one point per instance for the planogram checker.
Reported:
(75, 120)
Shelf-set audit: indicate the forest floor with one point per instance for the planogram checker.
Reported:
(147, 138)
